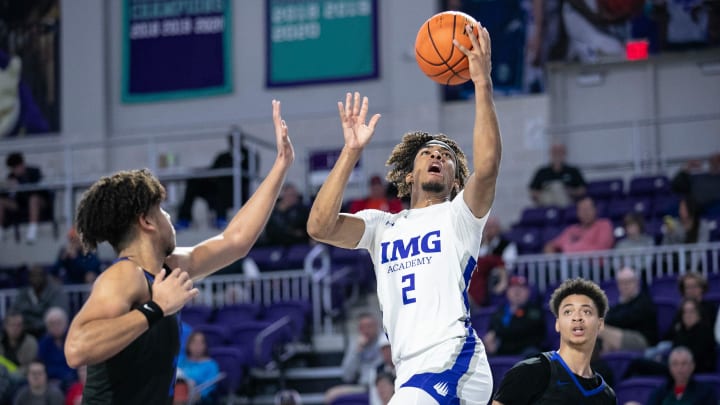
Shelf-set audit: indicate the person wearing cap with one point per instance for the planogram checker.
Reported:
(564, 376)
(518, 327)
(424, 255)
(378, 199)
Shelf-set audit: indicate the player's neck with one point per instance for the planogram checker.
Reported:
(577, 360)
(144, 256)
(425, 200)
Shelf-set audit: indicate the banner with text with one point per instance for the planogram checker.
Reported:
(315, 41)
(176, 49)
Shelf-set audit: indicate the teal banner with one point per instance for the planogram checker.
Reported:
(315, 41)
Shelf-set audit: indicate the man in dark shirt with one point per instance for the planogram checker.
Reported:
(288, 221)
(216, 191)
(681, 387)
(557, 183)
(518, 327)
(22, 203)
(631, 324)
(564, 376)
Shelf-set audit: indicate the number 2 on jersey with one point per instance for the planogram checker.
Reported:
(410, 278)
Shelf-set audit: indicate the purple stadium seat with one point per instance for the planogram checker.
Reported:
(611, 290)
(712, 379)
(607, 189)
(527, 239)
(540, 216)
(352, 399)
(196, 314)
(244, 335)
(666, 310)
(666, 204)
(649, 185)
(231, 361)
(480, 319)
(637, 389)
(215, 335)
(230, 314)
(499, 365)
(619, 361)
(550, 232)
(665, 288)
(268, 258)
(297, 311)
(295, 256)
(617, 209)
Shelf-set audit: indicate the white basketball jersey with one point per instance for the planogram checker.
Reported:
(423, 261)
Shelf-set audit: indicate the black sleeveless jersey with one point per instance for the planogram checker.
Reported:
(546, 379)
(143, 372)
(565, 387)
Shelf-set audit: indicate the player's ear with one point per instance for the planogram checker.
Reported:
(601, 324)
(145, 221)
(557, 326)
(409, 178)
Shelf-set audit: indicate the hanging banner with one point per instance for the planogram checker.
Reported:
(176, 49)
(315, 41)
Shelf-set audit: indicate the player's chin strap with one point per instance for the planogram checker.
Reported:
(435, 142)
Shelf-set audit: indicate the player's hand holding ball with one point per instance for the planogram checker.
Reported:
(452, 47)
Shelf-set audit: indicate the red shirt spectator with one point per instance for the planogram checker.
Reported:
(591, 234)
(378, 199)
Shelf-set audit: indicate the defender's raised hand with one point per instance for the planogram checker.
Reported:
(479, 55)
(286, 153)
(352, 116)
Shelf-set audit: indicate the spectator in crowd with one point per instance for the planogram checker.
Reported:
(377, 199)
(688, 227)
(693, 285)
(74, 393)
(217, 191)
(199, 367)
(381, 375)
(695, 333)
(590, 234)
(682, 24)
(681, 387)
(38, 390)
(635, 236)
(700, 185)
(73, 265)
(385, 387)
(631, 324)
(17, 346)
(288, 221)
(7, 385)
(557, 183)
(23, 203)
(34, 300)
(518, 327)
(497, 255)
(51, 347)
(361, 357)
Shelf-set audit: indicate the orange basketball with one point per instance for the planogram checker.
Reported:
(435, 53)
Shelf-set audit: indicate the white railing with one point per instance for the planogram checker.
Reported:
(312, 284)
(546, 270)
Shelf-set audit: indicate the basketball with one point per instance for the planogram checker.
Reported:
(621, 8)
(435, 53)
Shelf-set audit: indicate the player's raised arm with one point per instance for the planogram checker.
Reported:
(245, 227)
(487, 148)
(325, 223)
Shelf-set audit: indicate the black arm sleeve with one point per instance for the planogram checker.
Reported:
(525, 382)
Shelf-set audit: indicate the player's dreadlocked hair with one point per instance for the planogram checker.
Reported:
(109, 208)
(582, 287)
(402, 159)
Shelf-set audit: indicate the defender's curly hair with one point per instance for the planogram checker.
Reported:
(402, 159)
(110, 207)
(579, 286)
